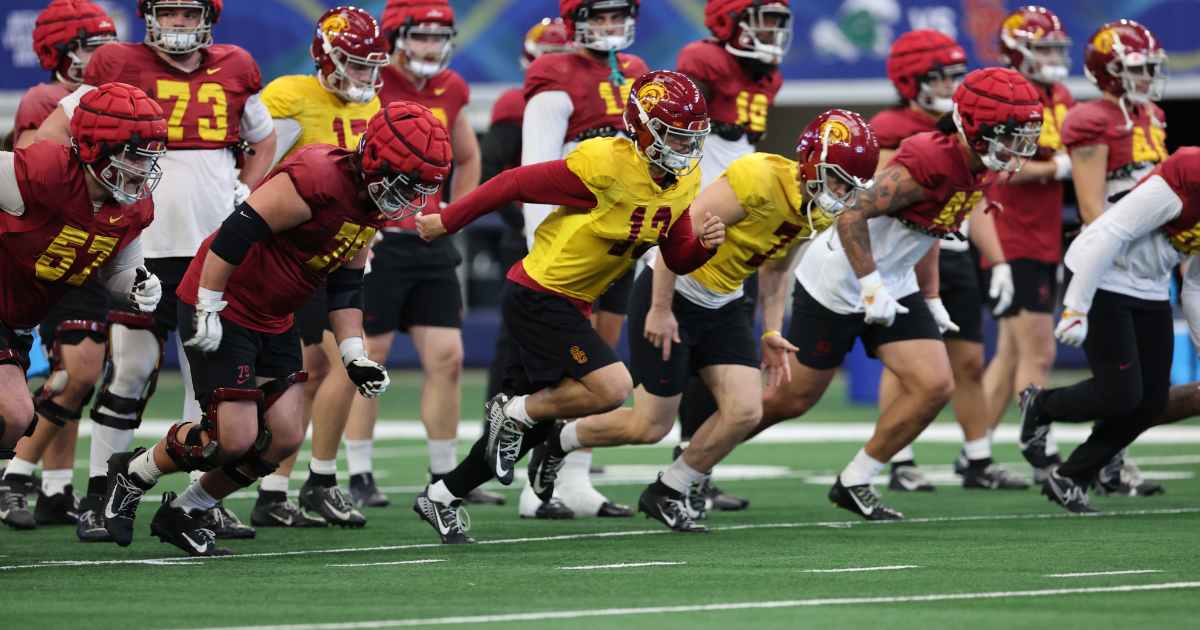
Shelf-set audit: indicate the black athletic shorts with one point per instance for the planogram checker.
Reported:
(722, 336)
(89, 302)
(312, 318)
(400, 293)
(750, 296)
(170, 272)
(824, 337)
(550, 339)
(13, 341)
(616, 298)
(960, 293)
(1035, 286)
(243, 355)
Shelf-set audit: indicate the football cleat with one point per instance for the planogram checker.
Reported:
(909, 479)
(446, 519)
(992, 477)
(90, 527)
(1040, 474)
(543, 469)
(863, 501)
(1121, 478)
(14, 507)
(717, 499)
(479, 496)
(553, 510)
(282, 514)
(331, 504)
(58, 509)
(224, 524)
(1032, 436)
(608, 509)
(961, 463)
(668, 511)
(696, 503)
(29, 484)
(504, 437)
(364, 493)
(1065, 492)
(172, 525)
(122, 497)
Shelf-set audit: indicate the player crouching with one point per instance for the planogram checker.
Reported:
(293, 233)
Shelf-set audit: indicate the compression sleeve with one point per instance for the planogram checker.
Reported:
(548, 183)
(238, 233)
(682, 250)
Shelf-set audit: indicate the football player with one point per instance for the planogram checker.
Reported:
(697, 323)
(873, 280)
(331, 107)
(414, 287)
(210, 95)
(1029, 222)
(737, 70)
(66, 34)
(66, 213)
(310, 222)
(1118, 308)
(559, 365)
(569, 98)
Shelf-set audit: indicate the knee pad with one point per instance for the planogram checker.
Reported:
(108, 399)
(55, 413)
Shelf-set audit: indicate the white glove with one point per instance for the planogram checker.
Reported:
(241, 192)
(370, 377)
(1063, 163)
(147, 290)
(1072, 328)
(208, 322)
(881, 306)
(940, 315)
(1002, 288)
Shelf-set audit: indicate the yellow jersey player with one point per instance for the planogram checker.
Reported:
(616, 199)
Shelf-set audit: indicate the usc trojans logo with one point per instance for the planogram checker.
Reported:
(650, 95)
(835, 132)
(578, 355)
(1104, 41)
(335, 24)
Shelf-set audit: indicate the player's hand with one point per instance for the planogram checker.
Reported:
(940, 315)
(1002, 288)
(1072, 328)
(147, 290)
(430, 227)
(661, 329)
(370, 377)
(881, 307)
(241, 192)
(208, 321)
(713, 233)
(775, 360)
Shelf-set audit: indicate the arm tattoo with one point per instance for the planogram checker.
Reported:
(876, 201)
(1084, 154)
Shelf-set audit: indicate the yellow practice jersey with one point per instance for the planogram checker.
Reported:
(767, 188)
(323, 117)
(579, 252)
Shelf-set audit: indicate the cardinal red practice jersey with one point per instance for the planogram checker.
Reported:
(36, 104)
(282, 272)
(509, 109)
(735, 97)
(597, 102)
(1182, 173)
(937, 162)
(893, 126)
(62, 239)
(203, 107)
(1101, 122)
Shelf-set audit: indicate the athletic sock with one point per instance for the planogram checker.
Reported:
(577, 467)
(322, 473)
(358, 456)
(56, 481)
(18, 466)
(106, 441)
(443, 456)
(97, 486)
(861, 470)
(194, 477)
(1051, 443)
(143, 467)
(515, 408)
(978, 449)
(904, 458)
(194, 498)
(274, 483)
(439, 494)
(679, 476)
(568, 439)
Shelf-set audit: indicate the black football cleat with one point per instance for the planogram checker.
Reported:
(1032, 436)
(608, 509)
(173, 525)
(331, 505)
(669, 511)
(504, 437)
(909, 479)
(57, 509)
(863, 501)
(961, 463)
(1065, 492)
(444, 518)
(543, 469)
(282, 513)
(717, 499)
(992, 477)
(553, 510)
(363, 492)
(1121, 478)
(90, 527)
(224, 524)
(121, 499)
(29, 484)
(14, 507)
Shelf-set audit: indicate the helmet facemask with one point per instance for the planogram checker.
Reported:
(435, 37)
(1136, 68)
(178, 40)
(1046, 62)
(599, 37)
(940, 98)
(130, 171)
(397, 195)
(341, 83)
(674, 149)
(765, 34)
(1009, 144)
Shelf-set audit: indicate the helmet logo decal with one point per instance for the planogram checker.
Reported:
(835, 132)
(335, 24)
(1104, 41)
(650, 94)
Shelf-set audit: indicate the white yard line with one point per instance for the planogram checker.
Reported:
(613, 612)
(621, 566)
(380, 564)
(1102, 573)
(639, 532)
(899, 566)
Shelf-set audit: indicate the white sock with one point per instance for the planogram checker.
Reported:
(358, 456)
(438, 493)
(143, 466)
(683, 446)
(18, 466)
(274, 483)
(323, 466)
(578, 462)
(56, 481)
(991, 435)
(106, 441)
(194, 477)
(1051, 443)
(569, 438)
(194, 498)
(443, 456)
(905, 455)
(861, 470)
(978, 449)
(680, 477)
(516, 409)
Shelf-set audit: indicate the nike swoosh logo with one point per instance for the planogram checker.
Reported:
(213, 70)
(285, 521)
(865, 510)
(243, 380)
(1122, 367)
(670, 520)
(108, 512)
(500, 471)
(665, 380)
(198, 548)
(336, 512)
(437, 516)
(439, 91)
(115, 219)
(626, 64)
(4, 513)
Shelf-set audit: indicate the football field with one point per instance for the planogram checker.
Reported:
(963, 559)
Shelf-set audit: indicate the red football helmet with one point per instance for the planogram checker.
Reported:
(67, 28)
(923, 57)
(1124, 56)
(751, 28)
(405, 158)
(421, 34)
(999, 114)
(547, 36)
(119, 134)
(575, 14)
(841, 144)
(667, 117)
(349, 41)
(1034, 43)
(179, 40)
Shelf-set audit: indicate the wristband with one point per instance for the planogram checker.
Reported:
(351, 349)
(768, 334)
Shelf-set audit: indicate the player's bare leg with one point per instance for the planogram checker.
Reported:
(792, 399)
(16, 407)
(905, 475)
(972, 412)
(1025, 355)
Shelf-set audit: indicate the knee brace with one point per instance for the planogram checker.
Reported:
(273, 389)
(253, 459)
(190, 455)
(55, 413)
(57, 380)
(118, 404)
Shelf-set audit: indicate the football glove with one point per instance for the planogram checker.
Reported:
(147, 290)
(370, 377)
(881, 307)
(1072, 328)
(1002, 288)
(208, 321)
(940, 315)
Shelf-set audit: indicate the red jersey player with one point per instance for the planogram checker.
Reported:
(309, 223)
